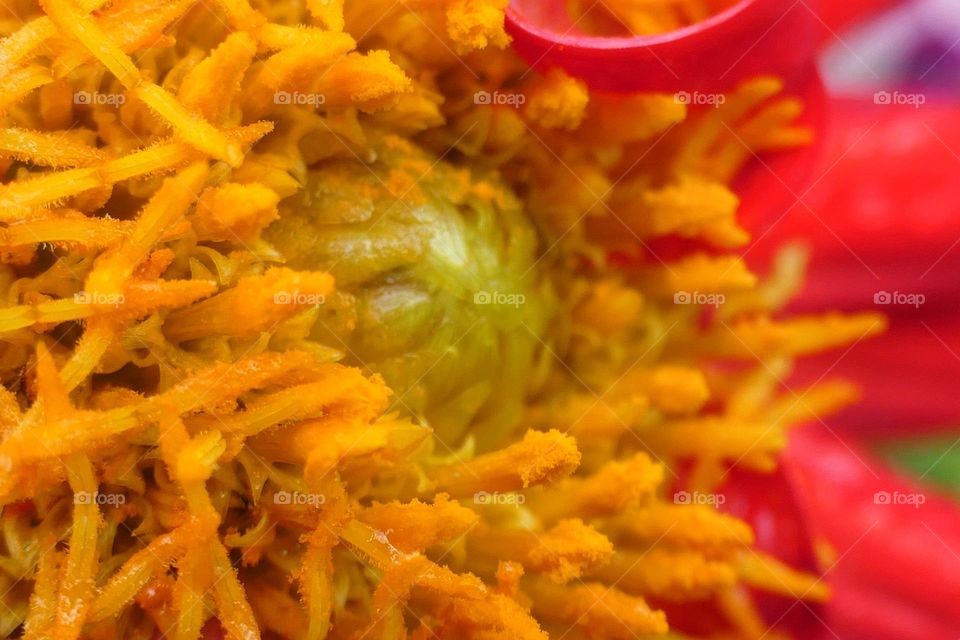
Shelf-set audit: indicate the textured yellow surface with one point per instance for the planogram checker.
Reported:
(308, 331)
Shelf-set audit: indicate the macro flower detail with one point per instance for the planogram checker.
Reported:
(339, 319)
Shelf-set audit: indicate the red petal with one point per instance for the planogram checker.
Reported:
(753, 37)
(883, 217)
(897, 570)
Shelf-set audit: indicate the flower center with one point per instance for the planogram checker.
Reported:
(438, 283)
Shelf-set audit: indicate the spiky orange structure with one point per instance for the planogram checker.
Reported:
(308, 331)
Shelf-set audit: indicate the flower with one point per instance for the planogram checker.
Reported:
(337, 320)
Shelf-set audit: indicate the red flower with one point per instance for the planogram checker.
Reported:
(878, 201)
(876, 198)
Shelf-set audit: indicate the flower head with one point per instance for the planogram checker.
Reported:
(317, 325)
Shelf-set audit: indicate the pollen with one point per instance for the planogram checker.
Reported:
(332, 319)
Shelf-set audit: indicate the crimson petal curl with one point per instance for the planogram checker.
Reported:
(887, 546)
(753, 37)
